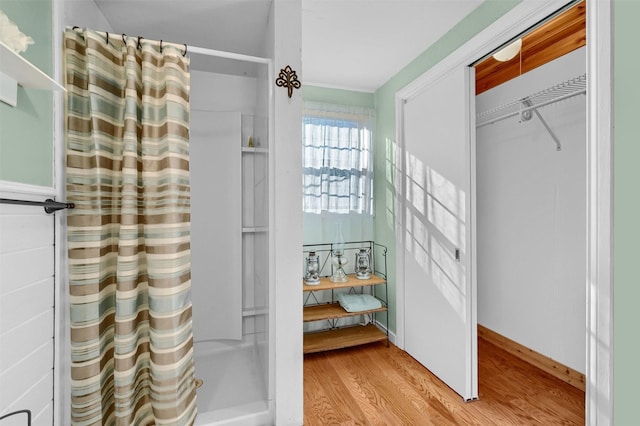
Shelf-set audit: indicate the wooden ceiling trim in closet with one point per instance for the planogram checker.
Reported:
(563, 34)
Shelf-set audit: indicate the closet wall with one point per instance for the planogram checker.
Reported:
(532, 218)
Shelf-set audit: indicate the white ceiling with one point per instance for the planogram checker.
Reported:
(361, 44)
(350, 44)
(230, 25)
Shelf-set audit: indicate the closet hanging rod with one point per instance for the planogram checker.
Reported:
(534, 107)
(561, 91)
(50, 206)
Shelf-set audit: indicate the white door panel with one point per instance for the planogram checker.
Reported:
(439, 299)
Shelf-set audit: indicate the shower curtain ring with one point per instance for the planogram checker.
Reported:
(160, 45)
(107, 37)
(139, 45)
(123, 39)
(185, 50)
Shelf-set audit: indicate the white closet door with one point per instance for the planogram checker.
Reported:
(216, 224)
(440, 300)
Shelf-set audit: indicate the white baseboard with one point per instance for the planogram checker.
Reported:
(392, 336)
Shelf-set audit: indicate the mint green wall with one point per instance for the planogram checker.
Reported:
(26, 131)
(626, 208)
(384, 171)
(337, 96)
(626, 178)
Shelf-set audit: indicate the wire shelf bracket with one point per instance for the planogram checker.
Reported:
(528, 106)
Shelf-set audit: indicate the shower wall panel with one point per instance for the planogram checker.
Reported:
(237, 206)
(216, 226)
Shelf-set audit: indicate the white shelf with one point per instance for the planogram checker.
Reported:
(564, 90)
(255, 150)
(15, 70)
(254, 229)
(252, 312)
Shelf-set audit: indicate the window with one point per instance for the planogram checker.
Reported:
(337, 159)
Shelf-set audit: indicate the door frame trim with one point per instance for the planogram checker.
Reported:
(599, 321)
(599, 374)
(62, 366)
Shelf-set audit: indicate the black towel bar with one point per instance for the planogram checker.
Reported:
(50, 206)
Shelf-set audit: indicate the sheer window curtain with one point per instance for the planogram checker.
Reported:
(337, 171)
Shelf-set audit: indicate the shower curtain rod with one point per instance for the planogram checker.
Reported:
(50, 206)
(195, 49)
(228, 55)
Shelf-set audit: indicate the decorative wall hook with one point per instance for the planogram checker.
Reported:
(289, 79)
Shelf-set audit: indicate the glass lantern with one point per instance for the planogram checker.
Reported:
(339, 259)
(312, 276)
(363, 264)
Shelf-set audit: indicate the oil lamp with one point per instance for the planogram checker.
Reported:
(363, 264)
(313, 269)
(339, 259)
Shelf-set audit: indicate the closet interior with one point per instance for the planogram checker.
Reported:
(531, 206)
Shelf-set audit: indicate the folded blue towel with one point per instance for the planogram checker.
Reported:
(358, 302)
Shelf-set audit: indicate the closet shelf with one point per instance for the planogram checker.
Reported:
(16, 70)
(565, 90)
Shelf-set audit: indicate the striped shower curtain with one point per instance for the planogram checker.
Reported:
(129, 247)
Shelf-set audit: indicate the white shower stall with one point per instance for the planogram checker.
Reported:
(229, 168)
(232, 246)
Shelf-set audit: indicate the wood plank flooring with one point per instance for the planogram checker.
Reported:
(376, 385)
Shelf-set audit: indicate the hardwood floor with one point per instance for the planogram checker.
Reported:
(376, 385)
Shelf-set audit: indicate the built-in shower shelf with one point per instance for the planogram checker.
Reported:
(17, 71)
(254, 229)
(253, 150)
(252, 312)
